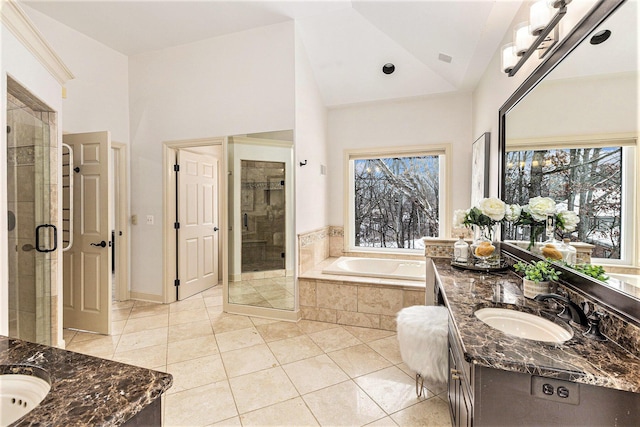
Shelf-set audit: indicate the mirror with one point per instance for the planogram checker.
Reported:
(261, 213)
(570, 132)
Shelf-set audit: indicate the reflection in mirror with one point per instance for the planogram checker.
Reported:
(574, 138)
(261, 218)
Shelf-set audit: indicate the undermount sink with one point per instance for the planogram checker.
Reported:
(523, 325)
(19, 394)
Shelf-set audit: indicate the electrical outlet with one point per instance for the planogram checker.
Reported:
(149, 219)
(556, 390)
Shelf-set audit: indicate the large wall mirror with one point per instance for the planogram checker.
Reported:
(261, 222)
(570, 132)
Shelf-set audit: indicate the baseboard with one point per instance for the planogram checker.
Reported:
(141, 296)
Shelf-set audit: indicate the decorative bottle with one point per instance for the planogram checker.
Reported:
(461, 251)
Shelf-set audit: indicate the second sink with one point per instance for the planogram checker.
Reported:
(523, 325)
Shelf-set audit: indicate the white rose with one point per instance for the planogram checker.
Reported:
(459, 216)
(570, 220)
(492, 207)
(512, 212)
(540, 207)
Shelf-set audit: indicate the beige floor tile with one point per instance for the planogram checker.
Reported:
(248, 360)
(103, 346)
(430, 413)
(214, 311)
(334, 339)
(216, 291)
(229, 341)
(197, 407)
(117, 327)
(388, 348)
(148, 357)
(193, 348)
(230, 322)
(294, 349)
(188, 316)
(231, 422)
(292, 412)
(262, 321)
(359, 360)
(149, 309)
(278, 331)
(121, 314)
(391, 389)
(315, 373)
(433, 387)
(368, 334)
(196, 372)
(115, 305)
(311, 326)
(343, 404)
(68, 334)
(188, 304)
(261, 389)
(186, 331)
(383, 422)
(81, 336)
(143, 339)
(213, 301)
(138, 324)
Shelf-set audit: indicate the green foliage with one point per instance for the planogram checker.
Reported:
(476, 217)
(592, 270)
(540, 271)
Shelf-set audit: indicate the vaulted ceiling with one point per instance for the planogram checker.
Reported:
(347, 42)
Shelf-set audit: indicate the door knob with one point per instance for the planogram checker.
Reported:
(102, 244)
(215, 229)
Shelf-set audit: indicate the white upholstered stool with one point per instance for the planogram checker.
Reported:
(423, 338)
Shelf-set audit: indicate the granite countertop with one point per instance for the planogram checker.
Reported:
(85, 390)
(580, 359)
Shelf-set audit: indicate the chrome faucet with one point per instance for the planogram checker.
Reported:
(577, 315)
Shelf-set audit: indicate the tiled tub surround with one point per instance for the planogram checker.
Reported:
(580, 359)
(85, 390)
(355, 301)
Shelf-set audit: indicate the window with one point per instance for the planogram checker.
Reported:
(595, 181)
(395, 198)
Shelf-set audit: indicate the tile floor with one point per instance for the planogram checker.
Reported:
(271, 292)
(234, 370)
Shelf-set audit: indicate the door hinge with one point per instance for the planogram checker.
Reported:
(176, 225)
(176, 168)
(176, 282)
(282, 255)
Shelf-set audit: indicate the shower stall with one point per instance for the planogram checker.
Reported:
(32, 212)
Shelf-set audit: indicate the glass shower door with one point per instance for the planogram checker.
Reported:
(32, 237)
(263, 215)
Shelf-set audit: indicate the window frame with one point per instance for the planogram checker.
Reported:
(444, 203)
(630, 203)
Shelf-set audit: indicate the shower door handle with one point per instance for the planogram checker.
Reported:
(55, 238)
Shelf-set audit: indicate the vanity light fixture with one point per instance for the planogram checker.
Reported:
(540, 33)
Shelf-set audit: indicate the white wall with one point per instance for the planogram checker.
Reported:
(311, 145)
(98, 97)
(17, 62)
(234, 84)
(408, 122)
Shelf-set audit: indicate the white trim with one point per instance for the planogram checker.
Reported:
(24, 30)
(445, 199)
(141, 296)
(123, 270)
(267, 313)
(574, 141)
(168, 206)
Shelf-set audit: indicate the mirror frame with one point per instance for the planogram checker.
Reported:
(623, 305)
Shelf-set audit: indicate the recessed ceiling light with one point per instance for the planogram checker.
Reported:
(445, 58)
(388, 68)
(600, 37)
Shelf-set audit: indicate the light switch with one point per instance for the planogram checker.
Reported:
(134, 219)
(149, 219)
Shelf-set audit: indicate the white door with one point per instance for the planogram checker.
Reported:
(87, 264)
(198, 219)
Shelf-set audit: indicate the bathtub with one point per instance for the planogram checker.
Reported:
(378, 267)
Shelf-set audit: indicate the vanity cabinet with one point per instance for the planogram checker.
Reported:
(460, 397)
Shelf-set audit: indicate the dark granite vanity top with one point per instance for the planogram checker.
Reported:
(85, 390)
(580, 359)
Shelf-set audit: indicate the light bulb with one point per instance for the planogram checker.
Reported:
(509, 58)
(540, 14)
(523, 38)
